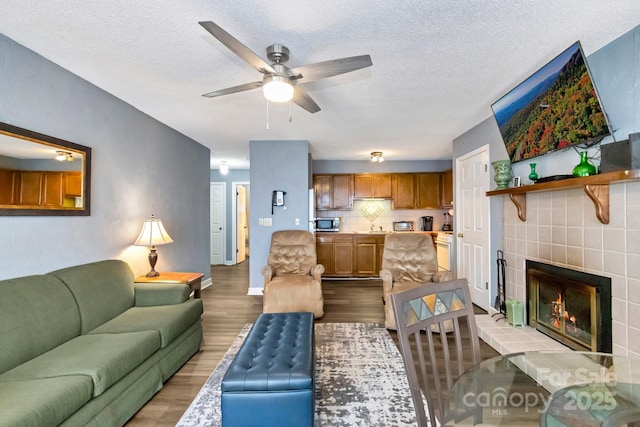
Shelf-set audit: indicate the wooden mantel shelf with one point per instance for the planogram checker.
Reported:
(596, 187)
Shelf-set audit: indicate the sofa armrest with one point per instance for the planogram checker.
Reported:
(152, 294)
(316, 271)
(442, 276)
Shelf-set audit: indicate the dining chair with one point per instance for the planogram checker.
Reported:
(421, 313)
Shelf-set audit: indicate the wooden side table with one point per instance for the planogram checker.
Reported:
(193, 280)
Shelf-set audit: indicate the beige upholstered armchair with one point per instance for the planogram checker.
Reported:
(408, 260)
(292, 277)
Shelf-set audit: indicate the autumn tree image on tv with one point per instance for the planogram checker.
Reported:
(553, 109)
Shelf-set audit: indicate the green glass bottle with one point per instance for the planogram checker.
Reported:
(585, 167)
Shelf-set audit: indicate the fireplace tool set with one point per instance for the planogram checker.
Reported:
(500, 303)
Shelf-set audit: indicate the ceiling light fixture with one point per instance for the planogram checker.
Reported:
(376, 157)
(62, 156)
(277, 88)
(224, 167)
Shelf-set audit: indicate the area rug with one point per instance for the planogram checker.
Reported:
(360, 380)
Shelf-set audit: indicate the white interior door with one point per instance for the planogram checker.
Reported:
(241, 223)
(472, 213)
(216, 195)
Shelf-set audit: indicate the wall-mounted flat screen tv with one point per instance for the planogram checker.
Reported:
(555, 108)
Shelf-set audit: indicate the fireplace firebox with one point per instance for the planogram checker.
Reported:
(570, 306)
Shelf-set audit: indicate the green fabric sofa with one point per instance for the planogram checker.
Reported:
(86, 345)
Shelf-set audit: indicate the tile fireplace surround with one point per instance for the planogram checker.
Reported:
(562, 229)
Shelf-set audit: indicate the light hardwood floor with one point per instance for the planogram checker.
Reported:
(227, 308)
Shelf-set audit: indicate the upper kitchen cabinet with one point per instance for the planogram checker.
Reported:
(333, 192)
(428, 190)
(446, 189)
(372, 185)
(404, 191)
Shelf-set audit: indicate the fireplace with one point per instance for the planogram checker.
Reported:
(570, 306)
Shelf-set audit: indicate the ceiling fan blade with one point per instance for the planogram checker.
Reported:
(302, 99)
(237, 47)
(321, 70)
(234, 89)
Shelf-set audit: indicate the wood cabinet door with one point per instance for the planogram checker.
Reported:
(362, 186)
(322, 188)
(7, 187)
(52, 185)
(342, 192)
(446, 191)
(30, 188)
(72, 184)
(403, 186)
(381, 185)
(324, 252)
(428, 190)
(343, 260)
(366, 256)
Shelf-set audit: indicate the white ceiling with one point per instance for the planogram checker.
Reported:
(437, 64)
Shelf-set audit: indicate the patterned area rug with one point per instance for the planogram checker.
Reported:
(360, 380)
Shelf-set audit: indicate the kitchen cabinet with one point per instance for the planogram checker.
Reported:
(372, 185)
(416, 190)
(350, 254)
(7, 187)
(52, 189)
(428, 190)
(333, 192)
(403, 191)
(336, 253)
(446, 189)
(48, 189)
(73, 184)
(30, 188)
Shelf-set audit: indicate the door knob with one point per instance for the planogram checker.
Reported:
(460, 235)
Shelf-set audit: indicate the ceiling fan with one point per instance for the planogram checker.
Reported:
(280, 83)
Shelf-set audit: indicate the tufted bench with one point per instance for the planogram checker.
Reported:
(270, 382)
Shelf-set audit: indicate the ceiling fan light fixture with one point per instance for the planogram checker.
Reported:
(277, 88)
(376, 157)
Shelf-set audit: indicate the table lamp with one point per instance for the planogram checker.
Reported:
(153, 234)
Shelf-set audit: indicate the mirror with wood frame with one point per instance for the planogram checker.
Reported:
(42, 175)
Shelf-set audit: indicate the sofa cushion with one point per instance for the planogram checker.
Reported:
(37, 313)
(169, 320)
(95, 284)
(43, 402)
(105, 358)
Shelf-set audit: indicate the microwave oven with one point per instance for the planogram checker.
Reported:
(327, 224)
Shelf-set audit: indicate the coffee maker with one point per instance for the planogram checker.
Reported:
(426, 223)
(447, 223)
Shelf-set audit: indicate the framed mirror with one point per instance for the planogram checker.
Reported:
(42, 175)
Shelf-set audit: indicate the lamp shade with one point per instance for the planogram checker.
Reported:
(153, 234)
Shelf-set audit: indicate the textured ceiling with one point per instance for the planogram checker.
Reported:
(437, 64)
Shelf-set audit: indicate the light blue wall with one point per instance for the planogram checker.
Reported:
(615, 69)
(363, 166)
(234, 175)
(276, 165)
(140, 167)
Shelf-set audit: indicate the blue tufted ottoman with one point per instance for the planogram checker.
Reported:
(270, 382)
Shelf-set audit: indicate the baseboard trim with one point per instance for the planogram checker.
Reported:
(206, 283)
(255, 291)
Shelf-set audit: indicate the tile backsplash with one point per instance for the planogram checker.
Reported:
(358, 219)
(562, 229)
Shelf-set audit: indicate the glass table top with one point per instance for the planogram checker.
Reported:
(548, 388)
